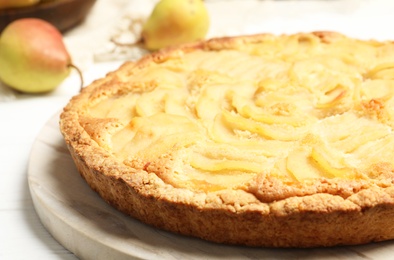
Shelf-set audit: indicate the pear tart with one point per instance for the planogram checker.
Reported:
(263, 140)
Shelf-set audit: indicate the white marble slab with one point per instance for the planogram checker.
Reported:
(83, 223)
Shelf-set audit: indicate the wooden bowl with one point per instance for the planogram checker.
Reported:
(63, 14)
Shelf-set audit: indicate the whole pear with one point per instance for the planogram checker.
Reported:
(17, 3)
(33, 57)
(175, 22)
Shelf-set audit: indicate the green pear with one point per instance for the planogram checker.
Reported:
(33, 57)
(175, 22)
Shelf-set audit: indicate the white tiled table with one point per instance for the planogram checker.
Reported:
(22, 236)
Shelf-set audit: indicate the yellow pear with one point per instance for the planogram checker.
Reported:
(175, 22)
(33, 57)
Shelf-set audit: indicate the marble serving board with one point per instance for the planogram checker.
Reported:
(83, 223)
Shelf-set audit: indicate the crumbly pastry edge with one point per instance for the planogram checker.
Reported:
(230, 216)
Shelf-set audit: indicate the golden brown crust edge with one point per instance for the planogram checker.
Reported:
(301, 229)
(309, 221)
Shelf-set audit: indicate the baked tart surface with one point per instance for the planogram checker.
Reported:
(263, 140)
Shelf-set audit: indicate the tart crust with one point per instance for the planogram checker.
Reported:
(266, 209)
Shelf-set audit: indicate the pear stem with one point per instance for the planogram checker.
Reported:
(80, 75)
